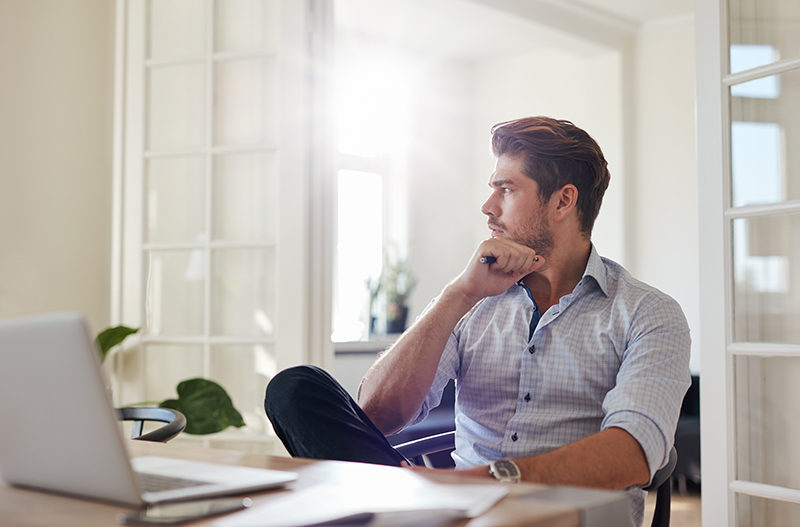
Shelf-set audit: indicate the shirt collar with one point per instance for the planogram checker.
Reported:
(596, 268)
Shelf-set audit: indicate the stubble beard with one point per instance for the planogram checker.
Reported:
(534, 233)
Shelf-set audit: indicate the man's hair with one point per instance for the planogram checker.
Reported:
(556, 153)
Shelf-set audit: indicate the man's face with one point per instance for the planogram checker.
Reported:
(514, 208)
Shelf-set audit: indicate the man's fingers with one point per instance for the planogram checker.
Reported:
(521, 262)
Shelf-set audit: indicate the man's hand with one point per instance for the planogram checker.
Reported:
(395, 387)
(513, 262)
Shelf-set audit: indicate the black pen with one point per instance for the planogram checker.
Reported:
(492, 259)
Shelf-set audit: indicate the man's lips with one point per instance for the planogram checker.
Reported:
(497, 230)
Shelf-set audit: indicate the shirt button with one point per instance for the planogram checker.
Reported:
(514, 437)
(527, 397)
(532, 349)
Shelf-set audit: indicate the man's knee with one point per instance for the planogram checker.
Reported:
(289, 386)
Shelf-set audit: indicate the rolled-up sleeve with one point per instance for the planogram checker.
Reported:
(652, 380)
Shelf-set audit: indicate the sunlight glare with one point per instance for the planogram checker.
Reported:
(374, 96)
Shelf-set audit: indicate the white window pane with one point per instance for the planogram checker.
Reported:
(764, 24)
(756, 168)
(244, 197)
(169, 364)
(746, 57)
(767, 392)
(177, 29)
(359, 251)
(243, 292)
(764, 88)
(245, 102)
(246, 25)
(175, 199)
(765, 166)
(128, 388)
(176, 107)
(245, 370)
(753, 511)
(174, 295)
(766, 299)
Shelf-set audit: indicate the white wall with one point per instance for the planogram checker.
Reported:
(584, 89)
(56, 93)
(665, 231)
(439, 176)
(450, 159)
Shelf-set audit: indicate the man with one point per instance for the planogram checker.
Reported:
(564, 364)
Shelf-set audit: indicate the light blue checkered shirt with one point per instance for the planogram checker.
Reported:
(613, 353)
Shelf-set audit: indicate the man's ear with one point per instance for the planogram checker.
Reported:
(566, 199)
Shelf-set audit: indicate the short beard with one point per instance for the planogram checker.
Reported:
(534, 233)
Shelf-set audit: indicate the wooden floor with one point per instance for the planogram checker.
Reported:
(685, 510)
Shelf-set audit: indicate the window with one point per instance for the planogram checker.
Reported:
(375, 90)
(211, 205)
(359, 253)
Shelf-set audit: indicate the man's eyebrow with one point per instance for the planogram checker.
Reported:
(501, 183)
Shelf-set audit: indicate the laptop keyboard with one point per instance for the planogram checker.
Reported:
(156, 483)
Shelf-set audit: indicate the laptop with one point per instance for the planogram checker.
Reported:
(59, 431)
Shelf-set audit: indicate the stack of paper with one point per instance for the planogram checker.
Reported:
(414, 501)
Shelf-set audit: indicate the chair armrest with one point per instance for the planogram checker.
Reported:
(428, 445)
(176, 422)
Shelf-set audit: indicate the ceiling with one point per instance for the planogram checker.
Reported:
(639, 11)
(478, 29)
(463, 29)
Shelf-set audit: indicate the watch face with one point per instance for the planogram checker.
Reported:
(506, 469)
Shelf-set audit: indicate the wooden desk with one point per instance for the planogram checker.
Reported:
(27, 508)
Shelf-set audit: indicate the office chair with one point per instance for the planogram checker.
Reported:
(662, 484)
(175, 420)
(418, 452)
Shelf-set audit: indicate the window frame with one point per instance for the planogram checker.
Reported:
(302, 33)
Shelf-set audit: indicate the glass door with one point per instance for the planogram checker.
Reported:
(763, 223)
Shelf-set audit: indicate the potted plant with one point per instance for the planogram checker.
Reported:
(205, 404)
(397, 283)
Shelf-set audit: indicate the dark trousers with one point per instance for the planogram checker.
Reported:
(316, 418)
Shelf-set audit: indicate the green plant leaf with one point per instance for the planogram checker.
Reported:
(110, 337)
(206, 405)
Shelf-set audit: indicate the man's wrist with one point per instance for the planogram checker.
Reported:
(456, 296)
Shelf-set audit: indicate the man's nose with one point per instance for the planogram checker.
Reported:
(489, 208)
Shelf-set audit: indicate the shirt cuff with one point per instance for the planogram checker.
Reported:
(646, 432)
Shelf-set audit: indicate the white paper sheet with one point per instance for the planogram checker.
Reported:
(413, 503)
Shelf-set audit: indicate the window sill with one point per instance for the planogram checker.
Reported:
(374, 345)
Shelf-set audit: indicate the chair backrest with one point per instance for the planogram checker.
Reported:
(662, 484)
(176, 423)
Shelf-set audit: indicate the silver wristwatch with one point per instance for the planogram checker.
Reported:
(505, 470)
